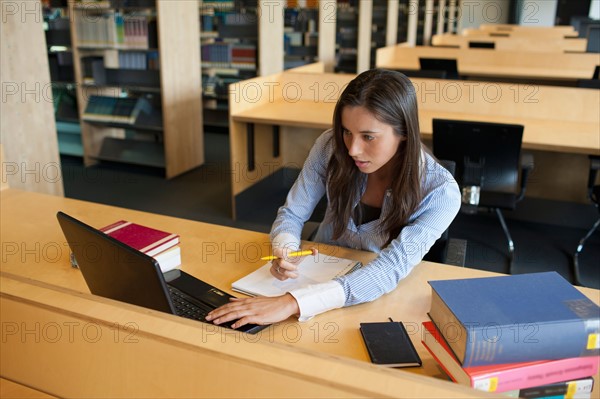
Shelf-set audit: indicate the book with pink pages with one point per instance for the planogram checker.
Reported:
(508, 376)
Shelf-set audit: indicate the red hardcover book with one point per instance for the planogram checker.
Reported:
(145, 239)
(508, 376)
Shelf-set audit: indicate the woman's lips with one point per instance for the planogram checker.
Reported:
(361, 164)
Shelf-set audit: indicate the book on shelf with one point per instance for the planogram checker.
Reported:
(311, 270)
(124, 110)
(105, 27)
(389, 345)
(510, 376)
(516, 318)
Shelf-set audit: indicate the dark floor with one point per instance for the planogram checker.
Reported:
(545, 233)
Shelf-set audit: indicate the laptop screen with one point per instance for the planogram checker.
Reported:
(114, 270)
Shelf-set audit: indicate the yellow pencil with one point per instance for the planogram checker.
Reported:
(290, 255)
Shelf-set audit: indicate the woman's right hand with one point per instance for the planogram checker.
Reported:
(285, 267)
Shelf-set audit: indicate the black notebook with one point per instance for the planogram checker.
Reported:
(389, 345)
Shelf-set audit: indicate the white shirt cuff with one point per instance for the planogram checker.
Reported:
(286, 240)
(319, 298)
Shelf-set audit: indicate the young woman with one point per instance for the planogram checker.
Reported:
(385, 192)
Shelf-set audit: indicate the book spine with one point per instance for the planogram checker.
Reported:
(568, 389)
(522, 343)
(537, 374)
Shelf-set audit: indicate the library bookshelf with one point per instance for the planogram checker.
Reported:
(147, 51)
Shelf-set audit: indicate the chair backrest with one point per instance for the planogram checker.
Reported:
(438, 250)
(490, 45)
(424, 73)
(448, 65)
(593, 39)
(493, 149)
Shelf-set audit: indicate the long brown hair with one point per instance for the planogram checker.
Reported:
(390, 97)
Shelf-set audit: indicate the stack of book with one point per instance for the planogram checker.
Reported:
(527, 335)
(161, 245)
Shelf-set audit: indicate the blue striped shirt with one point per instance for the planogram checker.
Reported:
(440, 204)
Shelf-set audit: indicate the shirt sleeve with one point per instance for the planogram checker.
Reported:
(319, 298)
(438, 208)
(304, 195)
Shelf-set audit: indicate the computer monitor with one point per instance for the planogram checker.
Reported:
(448, 65)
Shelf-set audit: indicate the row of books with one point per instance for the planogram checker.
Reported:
(113, 29)
(228, 53)
(124, 110)
(526, 335)
(138, 60)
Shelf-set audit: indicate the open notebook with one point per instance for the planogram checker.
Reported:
(312, 270)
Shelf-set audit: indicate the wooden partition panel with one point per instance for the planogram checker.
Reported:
(502, 64)
(520, 31)
(76, 345)
(532, 30)
(528, 44)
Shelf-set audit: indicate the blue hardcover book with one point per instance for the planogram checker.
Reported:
(517, 318)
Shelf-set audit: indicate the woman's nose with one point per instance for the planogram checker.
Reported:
(354, 147)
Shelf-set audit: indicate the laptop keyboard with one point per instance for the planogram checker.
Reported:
(187, 308)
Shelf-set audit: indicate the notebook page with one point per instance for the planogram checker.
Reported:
(311, 270)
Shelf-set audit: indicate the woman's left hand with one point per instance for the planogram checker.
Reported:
(257, 310)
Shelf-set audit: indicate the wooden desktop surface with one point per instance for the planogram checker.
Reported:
(35, 251)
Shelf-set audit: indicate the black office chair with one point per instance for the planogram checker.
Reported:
(488, 161)
(593, 39)
(594, 196)
(451, 251)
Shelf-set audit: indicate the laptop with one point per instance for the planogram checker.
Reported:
(115, 270)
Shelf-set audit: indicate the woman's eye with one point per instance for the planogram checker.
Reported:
(368, 137)
(346, 132)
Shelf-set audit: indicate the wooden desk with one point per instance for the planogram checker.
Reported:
(301, 106)
(527, 44)
(483, 63)
(59, 339)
